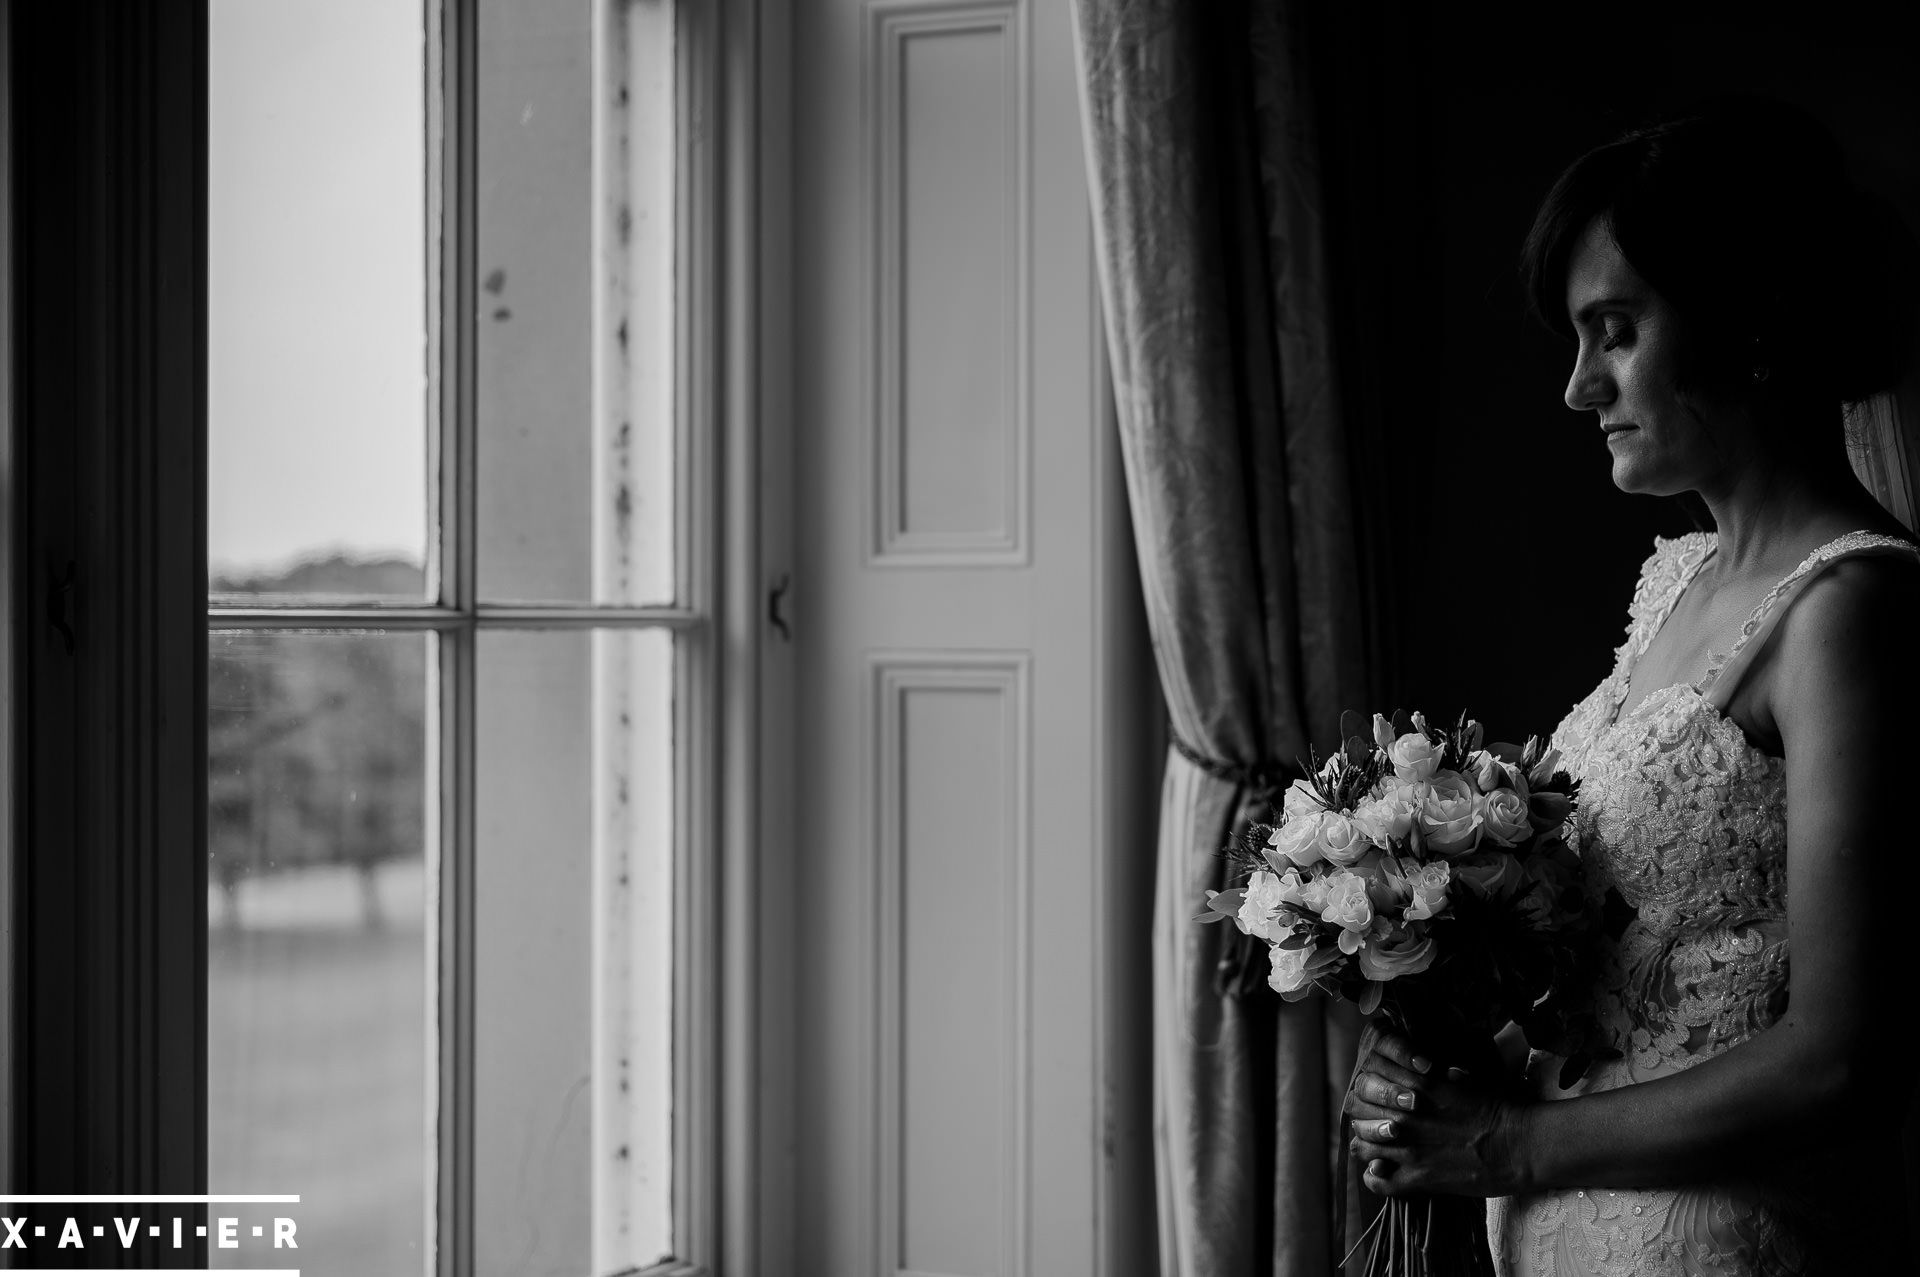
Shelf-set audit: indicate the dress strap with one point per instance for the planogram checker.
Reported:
(1722, 679)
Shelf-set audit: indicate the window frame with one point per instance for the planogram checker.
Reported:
(459, 617)
(109, 1052)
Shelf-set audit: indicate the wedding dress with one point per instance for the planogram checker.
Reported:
(1687, 819)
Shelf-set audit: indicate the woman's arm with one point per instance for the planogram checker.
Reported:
(1845, 690)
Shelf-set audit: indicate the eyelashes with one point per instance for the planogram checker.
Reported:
(1616, 338)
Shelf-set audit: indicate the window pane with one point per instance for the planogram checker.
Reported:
(317, 323)
(573, 993)
(318, 1017)
(576, 396)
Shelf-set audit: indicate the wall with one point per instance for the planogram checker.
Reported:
(1483, 487)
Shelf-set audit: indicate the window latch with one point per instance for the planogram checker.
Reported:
(775, 597)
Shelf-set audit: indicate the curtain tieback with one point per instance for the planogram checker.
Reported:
(1242, 964)
(1265, 779)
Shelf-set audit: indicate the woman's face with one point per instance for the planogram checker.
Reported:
(1626, 372)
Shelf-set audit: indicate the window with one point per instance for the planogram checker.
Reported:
(463, 677)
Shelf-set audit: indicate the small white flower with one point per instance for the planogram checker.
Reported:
(1260, 906)
(1489, 773)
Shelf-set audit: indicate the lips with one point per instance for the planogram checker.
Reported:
(1619, 427)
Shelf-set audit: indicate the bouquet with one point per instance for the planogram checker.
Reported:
(1423, 875)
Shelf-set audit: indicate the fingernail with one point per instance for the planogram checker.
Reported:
(1386, 1130)
(1454, 1075)
(1405, 1100)
(1421, 1064)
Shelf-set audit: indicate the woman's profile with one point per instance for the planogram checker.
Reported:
(1745, 766)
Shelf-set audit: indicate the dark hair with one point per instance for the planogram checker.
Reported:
(1741, 215)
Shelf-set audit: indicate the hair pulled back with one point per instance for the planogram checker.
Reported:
(1741, 216)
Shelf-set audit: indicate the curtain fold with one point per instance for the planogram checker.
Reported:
(1883, 442)
(1212, 262)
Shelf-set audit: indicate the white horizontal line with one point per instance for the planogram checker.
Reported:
(143, 1199)
(487, 615)
(156, 1272)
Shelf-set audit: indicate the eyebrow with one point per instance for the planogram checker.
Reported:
(1586, 313)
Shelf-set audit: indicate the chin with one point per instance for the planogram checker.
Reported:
(1640, 481)
(1624, 476)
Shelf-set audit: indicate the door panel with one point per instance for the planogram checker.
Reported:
(962, 600)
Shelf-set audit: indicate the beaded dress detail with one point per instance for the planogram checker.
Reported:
(1687, 819)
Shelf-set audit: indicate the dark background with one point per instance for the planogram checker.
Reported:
(1482, 495)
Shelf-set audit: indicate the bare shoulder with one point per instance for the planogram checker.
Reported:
(1853, 632)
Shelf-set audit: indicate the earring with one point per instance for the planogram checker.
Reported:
(1760, 369)
(1761, 372)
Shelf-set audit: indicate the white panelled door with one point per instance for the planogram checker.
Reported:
(962, 603)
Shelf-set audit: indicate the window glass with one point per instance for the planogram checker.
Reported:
(573, 905)
(576, 452)
(318, 1023)
(317, 320)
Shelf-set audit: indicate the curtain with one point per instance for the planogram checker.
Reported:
(1883, 441)
(1212, 263)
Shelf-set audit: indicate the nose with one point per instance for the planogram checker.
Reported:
(1590, 387)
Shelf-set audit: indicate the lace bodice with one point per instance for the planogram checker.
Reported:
(1687, 819)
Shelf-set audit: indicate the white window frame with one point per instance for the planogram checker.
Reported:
(716, 624)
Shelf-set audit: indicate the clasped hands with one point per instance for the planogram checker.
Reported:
(1419, 1128)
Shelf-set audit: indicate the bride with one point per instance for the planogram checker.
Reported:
(1746, 769)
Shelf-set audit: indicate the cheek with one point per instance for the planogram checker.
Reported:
(1648, 399)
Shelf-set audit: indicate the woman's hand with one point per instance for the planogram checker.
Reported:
(1417, 1132)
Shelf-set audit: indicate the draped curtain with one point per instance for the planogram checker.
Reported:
(1883, 441)
(1207, 208)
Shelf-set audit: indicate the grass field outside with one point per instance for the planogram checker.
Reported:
(317, 1064)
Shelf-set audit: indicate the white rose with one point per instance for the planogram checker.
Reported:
(1449, 814)
(1260, 906)
(1428, 884)
(1393, 955)
(1387, 819)
(1299, 838)
(1299, 800)
(1414, 757)
(1348, 907)
(1294, 969)
(1299, 890)
(1343, 839)
(1506, 818)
